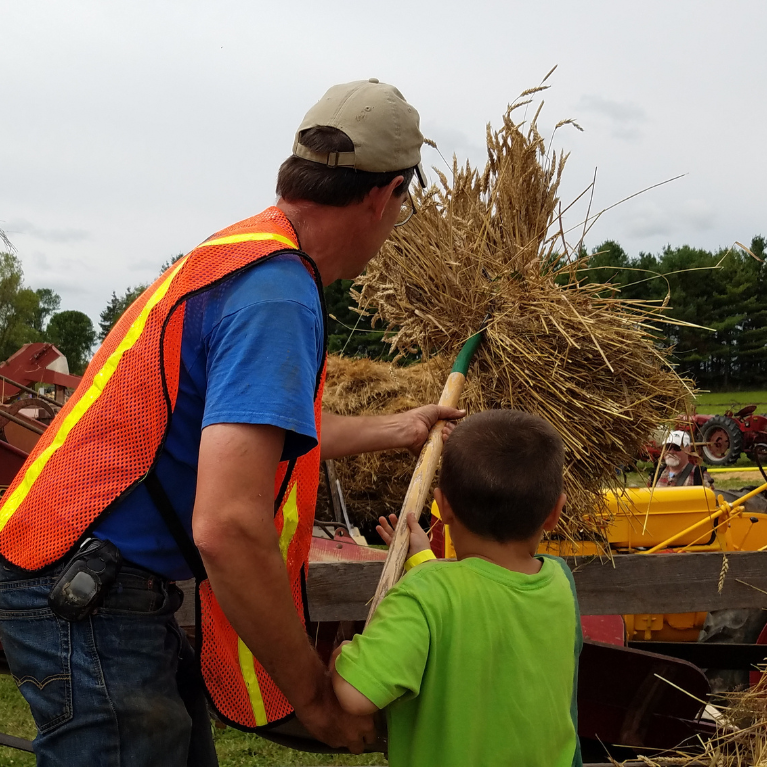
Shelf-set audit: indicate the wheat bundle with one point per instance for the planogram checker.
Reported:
(492, 242)
(373, 483)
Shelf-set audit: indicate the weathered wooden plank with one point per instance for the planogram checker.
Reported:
(634, 583)
(671, 583)
(659, 583)
(342, 592)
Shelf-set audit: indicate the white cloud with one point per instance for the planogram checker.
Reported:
(47, 234)
(625, 118)
(649, 220)
(450, 142)
(673, 220)
(124, 141)
(698, 214)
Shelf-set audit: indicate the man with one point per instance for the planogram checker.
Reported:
(193, 445)
(679, 470)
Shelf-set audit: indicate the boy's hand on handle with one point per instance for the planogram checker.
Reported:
(419, 541)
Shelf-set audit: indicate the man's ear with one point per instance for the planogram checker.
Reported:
(553, 519)
(445, 510)
(379, 197)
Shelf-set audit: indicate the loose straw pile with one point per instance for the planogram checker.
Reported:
(740, 740)
(373, 483)
(575, 353)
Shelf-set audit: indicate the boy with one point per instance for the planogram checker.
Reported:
(476, 660)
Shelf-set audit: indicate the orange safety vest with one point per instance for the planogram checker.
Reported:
(108, 436)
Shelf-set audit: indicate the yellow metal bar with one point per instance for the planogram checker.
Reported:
(721, 470)
(716, 527)
(699, 548)
(705, 547)
(752, 494)
(664, 544)
(731, 509)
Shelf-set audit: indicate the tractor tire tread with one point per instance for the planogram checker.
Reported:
(733, 432)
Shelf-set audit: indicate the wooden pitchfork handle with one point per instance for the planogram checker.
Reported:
(425, 468)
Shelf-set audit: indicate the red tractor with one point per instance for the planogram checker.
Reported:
(720, 439)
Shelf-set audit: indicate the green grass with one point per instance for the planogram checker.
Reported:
(234, 748)
(241, 749)
(716, 403)
(15, 719)
(640, 479)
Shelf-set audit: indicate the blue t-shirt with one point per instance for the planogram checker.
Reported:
(251, 350)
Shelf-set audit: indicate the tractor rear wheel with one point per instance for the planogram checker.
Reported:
(723, 441)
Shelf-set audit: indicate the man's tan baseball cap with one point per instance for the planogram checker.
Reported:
(375, 116)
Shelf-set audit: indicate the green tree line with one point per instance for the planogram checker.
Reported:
(28, 315)
(349, 331)
(722, 295)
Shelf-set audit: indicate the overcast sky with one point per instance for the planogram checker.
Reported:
(132, 131)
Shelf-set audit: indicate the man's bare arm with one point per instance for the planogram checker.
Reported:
(352, 435)
(234, 530)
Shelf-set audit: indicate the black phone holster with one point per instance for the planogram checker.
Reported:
(86, 578)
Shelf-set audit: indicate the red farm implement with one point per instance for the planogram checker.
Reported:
(24, 411)
(720, 439)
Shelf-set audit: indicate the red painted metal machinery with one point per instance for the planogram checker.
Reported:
(722, 438)
(24, 412)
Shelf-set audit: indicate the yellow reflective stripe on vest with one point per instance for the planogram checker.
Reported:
(289, 527)
(251, 683)
(289, 522)
(232, 239)
(85, 402)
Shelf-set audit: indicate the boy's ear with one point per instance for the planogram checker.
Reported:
(553, 519)
(444, 507)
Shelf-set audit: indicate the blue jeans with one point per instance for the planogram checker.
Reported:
(118, 688)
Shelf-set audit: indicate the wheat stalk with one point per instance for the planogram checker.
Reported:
(723, 572)
(576, 353)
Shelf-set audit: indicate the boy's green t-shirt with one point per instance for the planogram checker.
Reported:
(475, 665)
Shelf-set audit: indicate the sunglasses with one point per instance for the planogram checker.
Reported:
(673, 448)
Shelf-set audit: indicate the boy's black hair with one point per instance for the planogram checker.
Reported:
(502, 473)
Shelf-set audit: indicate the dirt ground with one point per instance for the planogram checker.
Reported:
(751, 477)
